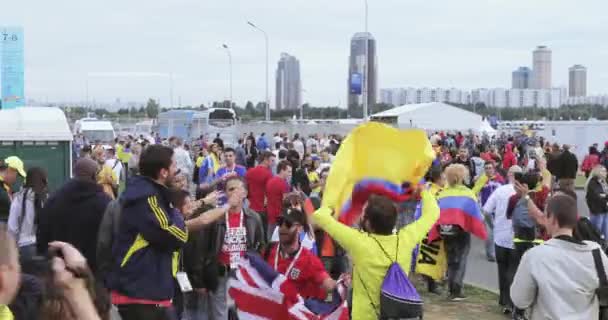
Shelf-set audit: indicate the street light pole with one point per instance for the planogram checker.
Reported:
(230, 75)
(366, 68)
(267, 115)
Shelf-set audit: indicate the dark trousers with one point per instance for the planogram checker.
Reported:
(148, 312)
(519, 249)
(264, 218)
(457, 249)
(505, 260)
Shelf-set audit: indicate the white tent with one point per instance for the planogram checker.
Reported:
(430, 116)
(486, 128)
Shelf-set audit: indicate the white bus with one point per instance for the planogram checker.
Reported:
(212, 121)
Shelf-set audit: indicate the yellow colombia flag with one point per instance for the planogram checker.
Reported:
(432, 260)
(375, 158)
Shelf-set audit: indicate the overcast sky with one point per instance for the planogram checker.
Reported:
(129, 47)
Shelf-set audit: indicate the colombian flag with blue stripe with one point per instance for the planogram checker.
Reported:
(458, 206)
(375, 159)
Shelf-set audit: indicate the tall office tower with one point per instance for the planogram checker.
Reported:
(577, 80)
(288, 83)
(356, 68)
(541, 64)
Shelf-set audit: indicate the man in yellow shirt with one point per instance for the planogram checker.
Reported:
(370, 263)
(10, 272)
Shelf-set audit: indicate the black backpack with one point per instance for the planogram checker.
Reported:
(586, 231)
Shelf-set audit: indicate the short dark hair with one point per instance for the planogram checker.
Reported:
(282, 154)
(564, 208)
(235, 178)
(283, 164)
(381, 213)
(153, 159)
(229, 150)
(178, 197)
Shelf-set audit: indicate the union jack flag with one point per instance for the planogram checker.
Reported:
(259, 292)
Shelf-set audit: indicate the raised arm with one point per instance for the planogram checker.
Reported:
(349, 238)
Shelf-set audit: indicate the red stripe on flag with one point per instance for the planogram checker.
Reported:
(258, 305)
(248, 278)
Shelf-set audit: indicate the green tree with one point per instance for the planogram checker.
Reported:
(152, 108)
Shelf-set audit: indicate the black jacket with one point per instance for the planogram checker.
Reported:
(5, 203)
(73, 214)
(596, 197)
(566, 166)
(203, 248)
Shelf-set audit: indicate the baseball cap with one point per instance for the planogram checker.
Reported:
(16, 164)
(292, 216)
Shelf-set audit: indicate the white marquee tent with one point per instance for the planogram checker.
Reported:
(430, 116)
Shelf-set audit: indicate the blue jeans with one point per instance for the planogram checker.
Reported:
(600, 222)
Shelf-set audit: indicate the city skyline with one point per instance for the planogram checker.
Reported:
(144, 42)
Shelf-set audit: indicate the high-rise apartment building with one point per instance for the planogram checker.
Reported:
(541, 64)
(577, 80)
(521, 78)
(356, 65)
(288, 83)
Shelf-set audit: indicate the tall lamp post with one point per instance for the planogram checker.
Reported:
(230, 65)
(267, 116)
(366, 68)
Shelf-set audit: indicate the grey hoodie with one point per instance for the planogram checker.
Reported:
(557, 280)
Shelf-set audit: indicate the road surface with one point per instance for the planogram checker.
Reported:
(484, 274)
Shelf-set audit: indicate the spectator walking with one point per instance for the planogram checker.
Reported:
(74, 212)
(597, 200)
(10, 169)
(25, 209)
(558, 280)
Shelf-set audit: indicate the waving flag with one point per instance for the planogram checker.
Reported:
(458, 206)
(260, 292)
(375, 159)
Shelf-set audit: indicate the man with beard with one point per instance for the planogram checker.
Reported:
(147, 245)
(297, 263)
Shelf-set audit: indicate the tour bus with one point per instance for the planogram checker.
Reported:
(210, 122)
(190, 124)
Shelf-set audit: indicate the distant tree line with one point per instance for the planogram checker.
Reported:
(253, 112)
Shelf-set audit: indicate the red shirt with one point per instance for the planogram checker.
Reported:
(234, 221)
(307, 273)
(256, 184)
(276, 187)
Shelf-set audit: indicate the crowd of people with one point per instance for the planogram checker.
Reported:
(155, 229)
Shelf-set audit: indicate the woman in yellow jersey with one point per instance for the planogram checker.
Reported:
(106, 176)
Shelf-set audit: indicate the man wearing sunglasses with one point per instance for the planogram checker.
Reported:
(297, 263)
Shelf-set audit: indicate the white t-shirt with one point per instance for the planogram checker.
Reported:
(498, 204)
(116, 166)
(299, 147)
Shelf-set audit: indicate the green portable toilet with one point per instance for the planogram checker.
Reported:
(41, 137)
